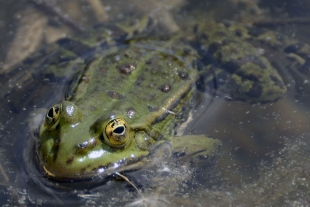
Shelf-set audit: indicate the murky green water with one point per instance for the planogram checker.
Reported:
(265, 154)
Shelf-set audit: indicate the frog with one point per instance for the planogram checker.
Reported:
(127, 95)
(125, 129)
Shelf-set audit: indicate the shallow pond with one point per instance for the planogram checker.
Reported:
(264, 157)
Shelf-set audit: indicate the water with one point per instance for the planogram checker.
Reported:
(265, 146)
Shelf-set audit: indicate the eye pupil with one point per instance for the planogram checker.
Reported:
(116, 133)
(50, 113)
(119, 130)
(52, 117)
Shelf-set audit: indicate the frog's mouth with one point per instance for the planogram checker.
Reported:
(101, 171)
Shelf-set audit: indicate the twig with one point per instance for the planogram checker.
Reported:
(126, 179)
(43, 6)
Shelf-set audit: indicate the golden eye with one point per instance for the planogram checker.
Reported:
(116, 133)
(52, 117)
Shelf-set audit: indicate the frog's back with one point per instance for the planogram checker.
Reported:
(146, 80)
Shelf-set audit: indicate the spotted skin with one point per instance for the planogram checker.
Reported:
(150, 85)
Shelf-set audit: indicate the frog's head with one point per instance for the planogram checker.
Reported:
(78, 144)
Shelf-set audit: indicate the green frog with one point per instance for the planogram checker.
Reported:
(127, 95)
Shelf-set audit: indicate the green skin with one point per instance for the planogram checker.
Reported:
(150, 85)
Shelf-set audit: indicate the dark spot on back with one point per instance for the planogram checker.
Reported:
(115, 95)
(183, 75)
(70, 160)
(152, 108)
(126, 68)
(165, 88)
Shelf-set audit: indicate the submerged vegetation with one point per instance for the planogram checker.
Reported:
(265, 157)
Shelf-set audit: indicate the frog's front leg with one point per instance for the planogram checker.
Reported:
(197, 148)
(200, 151)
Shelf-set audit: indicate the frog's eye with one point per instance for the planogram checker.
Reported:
(52, 116)
(116, 133)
